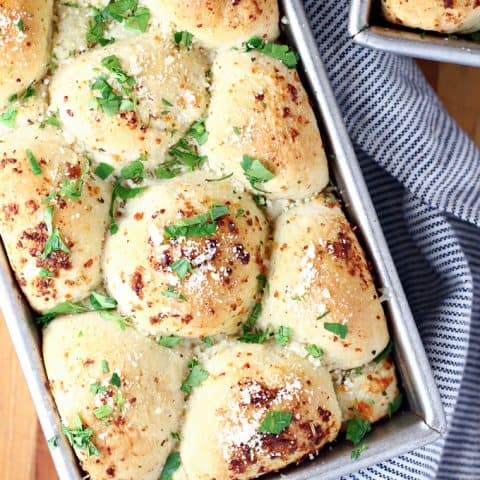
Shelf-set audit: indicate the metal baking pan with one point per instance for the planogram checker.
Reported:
(421, 422)
(367, 28)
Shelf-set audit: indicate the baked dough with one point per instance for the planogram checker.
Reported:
(134, 439)
(260, 108)
(81, 223)
(222, 288)
(317, 266)
(245, 383)
(25, 27)
(220, 23)
(445, 16)
(170, 85)
(367, 390)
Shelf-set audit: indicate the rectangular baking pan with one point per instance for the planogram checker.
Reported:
(421, 422)
(367, 28)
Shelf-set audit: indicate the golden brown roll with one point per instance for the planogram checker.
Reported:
(220, 23)
(25, 27)
(122, 386)
(445, 16)
(64, 274)
(367, 390)
(253, 391)
(196, 285)
(320, 286)
(259, 108)
(169, 84)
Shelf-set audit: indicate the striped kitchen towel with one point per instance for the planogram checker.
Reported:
(424, 176)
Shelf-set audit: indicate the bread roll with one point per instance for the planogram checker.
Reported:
(246, 383)
(367, 390)
(259, 108)
(143, 405)
(81, 223)
(319, 275)
(169, 83)
(25, 27)
(220, 23)
(219, 287)
(445, 16)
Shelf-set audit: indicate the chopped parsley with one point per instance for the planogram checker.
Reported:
(8, 117)
(175, 436)
(200, 226)
(385, 352)
(73, 188)
(255, 172)
(54, 242)
(356, 452)
(172, 293)
(53, 441)
(44, 273)
(338, 329)
(104, 170)
(169, 341)
(195, 377)
(21, 25)
(172, 464)
(283, 335)
(102, 302)
(357, 428)
(324, 314)
(60, 309)
(275, 422)
(262, 281)
(103, 411)
(207, 341)
(198, 131)
(183, 39)
(250, 332)
(34, 165)
(139, 20)
(167, 103)
(181, 267)
(50, 120)
(236, 131)
(314, 350)
(120, 320)
(115, 380)
(281, 52)
(96, 388)
(220, 178)
(80, 437)
(395, 405)
(105, 366)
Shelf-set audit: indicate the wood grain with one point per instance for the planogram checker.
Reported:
(24, 454)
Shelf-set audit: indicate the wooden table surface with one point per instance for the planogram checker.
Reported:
(24, 453)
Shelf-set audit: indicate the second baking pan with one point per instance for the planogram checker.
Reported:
(368, 29)
(421, 422)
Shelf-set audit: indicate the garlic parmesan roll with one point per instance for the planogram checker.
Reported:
(320, 286)
(267, 408)
(367, 390)
(189, 281)
(122, 386)
(40, 179)
(131, 98)
(25, 27)
(220, 23)
(445, 16)
(259, 108)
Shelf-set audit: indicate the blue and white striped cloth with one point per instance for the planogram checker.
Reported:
(424, 176)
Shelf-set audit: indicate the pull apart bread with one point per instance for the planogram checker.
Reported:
(444, 16)
(208, 311)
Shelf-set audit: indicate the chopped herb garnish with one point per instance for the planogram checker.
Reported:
(395, 405)
(296, 298)
(220, 178)
(207, 341)
(80, 437)
(115, 380)
(21, 25)
(324, 314)
(104, 170)
(120, 401)
(139, 20)
(71, 4)
(314, 350)
(200, 226)
(338, 329)
(103, 411)
(283, 335)
(195, 377)
(175, 436)
(181, 267)
(240, 213)
(73, 188)
(60, 309)
(96, 388)
(183, 153)
(172, 293)
(283, 53)
(172, 464)
(275, 422)
(8, 117)
(169, 341)
(385, 352)
(251, 333)
(102, 302)
(198, 131)
(183, 39)
(50, 120)
(120, 320)
(236, 131)
(54, 242)
(356, 452)
(357, 428)
(255, 171)
(260, 200)
(167, 103)
(262, 281)
(357, 371)
(44, 273)
(53, 441)
(105, 366)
